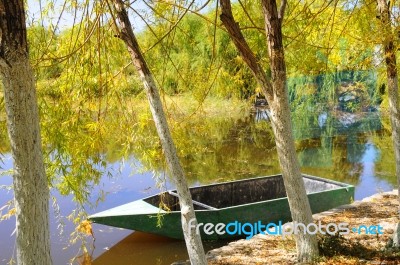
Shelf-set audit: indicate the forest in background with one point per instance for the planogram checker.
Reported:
(91, 99)
(194, 54)
(85, 79)
(94, 111)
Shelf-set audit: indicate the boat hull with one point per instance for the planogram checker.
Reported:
(143, 216)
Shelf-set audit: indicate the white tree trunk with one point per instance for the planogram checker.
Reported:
(277, 96)
(30, 184)
(393, 92)
(307, 245)
(193, 241)
(395, 122)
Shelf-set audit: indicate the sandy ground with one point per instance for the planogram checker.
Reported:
(353, 248)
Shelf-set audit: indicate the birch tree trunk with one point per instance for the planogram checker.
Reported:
(276, 94)
(392, 79)
(193, 241)
(31, 190)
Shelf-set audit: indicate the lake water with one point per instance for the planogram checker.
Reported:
(355, 150)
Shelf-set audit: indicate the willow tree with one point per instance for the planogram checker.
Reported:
(193, 241)
(30, 184)
(393, 87)
(275, 91)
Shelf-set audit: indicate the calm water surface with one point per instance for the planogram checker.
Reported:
(355, 150)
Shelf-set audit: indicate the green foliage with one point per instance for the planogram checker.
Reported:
(198, 58)
(188, 54)
(43, 52)
(4, 143)
(386, 145)
(93, 111)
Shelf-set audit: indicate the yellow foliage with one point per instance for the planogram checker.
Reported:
(85, 227)
(85, 259)
(8, 215)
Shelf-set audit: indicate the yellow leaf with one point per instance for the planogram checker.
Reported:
(85, 227)
(8, 215)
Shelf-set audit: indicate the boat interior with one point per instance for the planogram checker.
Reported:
(222, 195)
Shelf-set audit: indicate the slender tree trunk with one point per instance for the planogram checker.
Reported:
(307, 246)
(29, 179)
(392, 79)
(193, 241)
(277, 97)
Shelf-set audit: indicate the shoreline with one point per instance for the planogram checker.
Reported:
(269, 249)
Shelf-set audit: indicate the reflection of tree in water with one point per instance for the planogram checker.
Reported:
(217, 148)
(246, 149)
(348, 153)
(332, 143)
(328, 157)
(332, 149)
(385, 167)
(261, 114)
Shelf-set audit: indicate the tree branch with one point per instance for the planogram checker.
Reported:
(282, 9)
(244, 49)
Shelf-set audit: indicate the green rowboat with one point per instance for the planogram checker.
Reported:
(242, 201)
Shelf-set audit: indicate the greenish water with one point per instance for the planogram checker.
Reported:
(350, 148)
